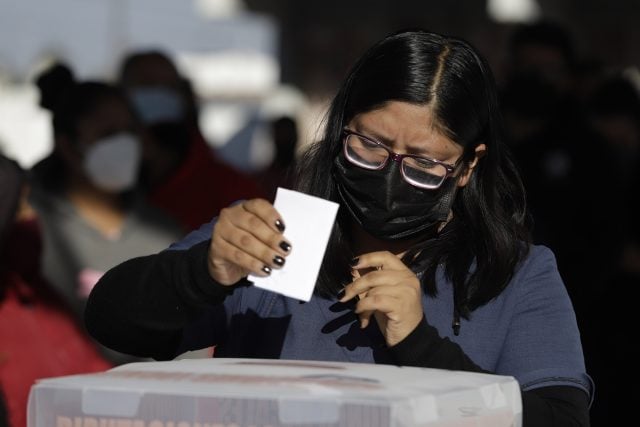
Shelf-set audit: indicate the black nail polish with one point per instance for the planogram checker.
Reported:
(340, 293)
(278, 260)
(266, 269)
(280, 225)
(285, 246)
(354, 261)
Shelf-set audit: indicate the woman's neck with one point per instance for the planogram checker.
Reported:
(103, 211)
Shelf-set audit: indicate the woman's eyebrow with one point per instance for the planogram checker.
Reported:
(415, 149)
(374, 135)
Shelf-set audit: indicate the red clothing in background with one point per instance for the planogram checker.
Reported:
(201, 187)
(38, 337)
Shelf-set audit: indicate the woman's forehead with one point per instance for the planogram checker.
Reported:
(406, 127)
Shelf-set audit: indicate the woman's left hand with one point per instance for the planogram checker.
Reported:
(390, 291)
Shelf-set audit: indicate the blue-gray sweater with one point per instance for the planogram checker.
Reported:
(529, 331)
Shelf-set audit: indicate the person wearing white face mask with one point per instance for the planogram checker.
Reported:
(111, 163)
(178, 160)
(85, 191)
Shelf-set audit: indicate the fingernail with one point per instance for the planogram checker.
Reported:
(266, 269)
(280, 225)
(340, 293)
(285, 246)
(278, 260)
(354, 261)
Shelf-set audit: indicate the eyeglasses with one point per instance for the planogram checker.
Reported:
(418, 171)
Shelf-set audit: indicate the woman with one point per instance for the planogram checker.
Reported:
(39, 337)
(84, 191)
(428, 265)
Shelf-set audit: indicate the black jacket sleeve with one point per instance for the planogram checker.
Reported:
(141, 306)
(544, 407)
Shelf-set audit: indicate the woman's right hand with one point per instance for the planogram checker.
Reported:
(247, 238)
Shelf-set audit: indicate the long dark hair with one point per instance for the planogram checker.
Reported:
(487, 237)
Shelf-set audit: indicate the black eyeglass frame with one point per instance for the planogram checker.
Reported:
(450, 169)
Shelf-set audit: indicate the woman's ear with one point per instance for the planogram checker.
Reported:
(464, 178)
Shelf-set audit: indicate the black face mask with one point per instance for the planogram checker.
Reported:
(389, 208)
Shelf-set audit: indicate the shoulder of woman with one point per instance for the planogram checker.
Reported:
(538, 256)
(537, 274)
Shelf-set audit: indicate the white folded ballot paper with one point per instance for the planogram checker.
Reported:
(308, 221)
(274, 393)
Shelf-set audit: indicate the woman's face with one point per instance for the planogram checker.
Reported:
(411, 129)
(109, 118)
(402, 201)
(105, 152)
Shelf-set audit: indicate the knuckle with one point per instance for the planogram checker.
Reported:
(373, 291)
(225, 212)
(238, 256)
(256, 203)
(245, 240)
(215, 233)
(253, 222)
(216, 243)
(415, 292)
(220, 227)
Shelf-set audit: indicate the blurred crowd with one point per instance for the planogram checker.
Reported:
(130, 173)
(574, 129)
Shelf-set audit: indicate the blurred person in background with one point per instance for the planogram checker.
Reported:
(179, 172)
(39, 336)
(537, 102)
(575, 142)
(284, 134)
(614, 113)
(540, 112)
(84, 192)
(556, 150)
